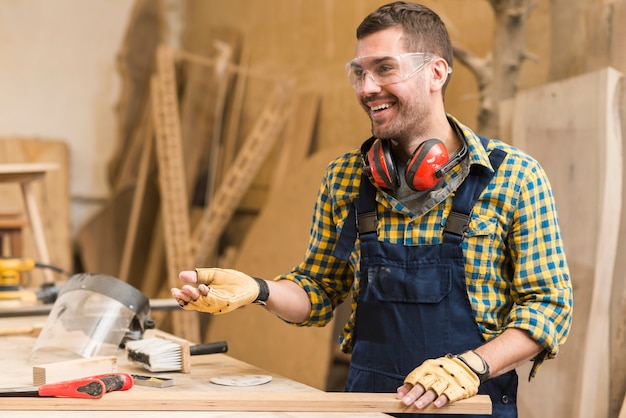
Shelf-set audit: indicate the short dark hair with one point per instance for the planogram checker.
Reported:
(423, 27)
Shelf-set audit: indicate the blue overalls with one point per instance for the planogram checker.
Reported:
(413, 303)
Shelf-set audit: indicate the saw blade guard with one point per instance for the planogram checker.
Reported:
(92, 317)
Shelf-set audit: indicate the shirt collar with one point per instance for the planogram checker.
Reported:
(475, 150)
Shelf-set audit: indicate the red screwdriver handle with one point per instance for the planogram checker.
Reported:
(79, 388)
(115, 381)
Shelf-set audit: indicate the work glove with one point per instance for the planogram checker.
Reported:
(228, 290)
(457, 377)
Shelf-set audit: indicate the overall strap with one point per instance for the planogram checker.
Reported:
(468, 193)
(365, 222)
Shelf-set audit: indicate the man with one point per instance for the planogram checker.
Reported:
(449, 242)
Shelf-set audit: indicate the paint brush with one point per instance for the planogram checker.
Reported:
(167, 355)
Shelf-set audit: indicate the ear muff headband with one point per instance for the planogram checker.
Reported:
(423, 169)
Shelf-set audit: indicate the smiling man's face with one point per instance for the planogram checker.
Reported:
(397, 111)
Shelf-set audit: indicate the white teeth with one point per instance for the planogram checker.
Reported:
(381, 107)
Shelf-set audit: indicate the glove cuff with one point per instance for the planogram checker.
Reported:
(264, 292)
(476, 363)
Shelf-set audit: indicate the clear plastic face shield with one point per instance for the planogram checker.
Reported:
(92, 316)
(384, 70)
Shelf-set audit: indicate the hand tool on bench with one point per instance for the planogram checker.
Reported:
(164, 353)
(92, 387)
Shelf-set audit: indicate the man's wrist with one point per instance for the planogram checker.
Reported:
(476, 363)
(264, 291)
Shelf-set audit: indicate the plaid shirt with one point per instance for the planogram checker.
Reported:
(516, 270)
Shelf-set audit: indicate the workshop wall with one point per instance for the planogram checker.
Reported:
(59, 77)
(312, 41)
(59, 80)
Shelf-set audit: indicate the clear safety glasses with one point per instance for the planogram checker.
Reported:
(384, 69)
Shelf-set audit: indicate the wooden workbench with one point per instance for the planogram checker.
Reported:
(193, 394)
(17, 372)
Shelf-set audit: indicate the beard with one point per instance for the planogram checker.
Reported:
(406, 121)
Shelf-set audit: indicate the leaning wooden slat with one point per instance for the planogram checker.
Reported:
(170, 163)
(174, 202)
(233, 113)
(247, 402)
(146, 29)
(145, 163)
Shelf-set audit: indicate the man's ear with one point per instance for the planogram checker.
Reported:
(440, 74)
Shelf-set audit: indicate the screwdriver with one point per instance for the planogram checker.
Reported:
(93, 387)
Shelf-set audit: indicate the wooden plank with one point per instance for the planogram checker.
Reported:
(73, 369)
(579, 145)
(234, 111)
(146, 162)
(606, 31)
(247, 402)
(174, 201)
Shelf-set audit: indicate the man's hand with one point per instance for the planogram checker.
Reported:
(218, 290)
(442, 380)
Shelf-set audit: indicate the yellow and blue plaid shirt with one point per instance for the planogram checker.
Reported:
(516, 269)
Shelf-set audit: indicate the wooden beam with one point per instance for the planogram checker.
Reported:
(247, 402)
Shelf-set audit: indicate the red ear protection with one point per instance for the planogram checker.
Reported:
(423, 171)
(381, 165)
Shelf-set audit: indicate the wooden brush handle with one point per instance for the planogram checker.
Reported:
(209, 348)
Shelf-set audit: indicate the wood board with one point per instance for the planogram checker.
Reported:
(274, 245)
(606, 31)
(248, 402)
(572, 129)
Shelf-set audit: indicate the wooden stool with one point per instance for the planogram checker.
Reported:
(12, 227)
(25, 174)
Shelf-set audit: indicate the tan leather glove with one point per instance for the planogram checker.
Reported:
(447, 375)
(228, 290)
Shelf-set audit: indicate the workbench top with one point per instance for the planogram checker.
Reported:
(17, 372)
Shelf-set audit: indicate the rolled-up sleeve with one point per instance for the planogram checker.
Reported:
(541, 286)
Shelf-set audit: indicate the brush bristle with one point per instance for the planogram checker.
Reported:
(155, 354)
